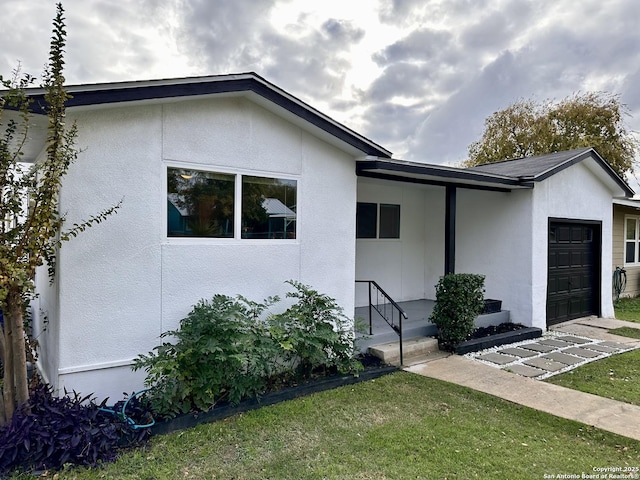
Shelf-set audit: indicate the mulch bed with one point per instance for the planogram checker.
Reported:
(495, 329)
(494, 336)
(373, 368)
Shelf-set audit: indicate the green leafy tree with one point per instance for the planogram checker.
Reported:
(31, 227)
(528, 128)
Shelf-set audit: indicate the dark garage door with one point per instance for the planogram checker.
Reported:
(573, 286)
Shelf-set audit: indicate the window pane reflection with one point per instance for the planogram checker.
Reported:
(199, 204)
(268, 207)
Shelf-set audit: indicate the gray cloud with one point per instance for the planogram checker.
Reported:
(233, 36)
(18, 45)
(450, 64)
(420, 45)
(397, 12)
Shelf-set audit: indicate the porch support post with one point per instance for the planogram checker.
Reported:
(450, 230)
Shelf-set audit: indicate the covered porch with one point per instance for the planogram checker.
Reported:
(374, 329)
(444, 220)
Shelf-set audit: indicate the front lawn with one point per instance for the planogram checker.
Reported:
(399, 426)
(626, 332)
(617, 377)
(628, 309)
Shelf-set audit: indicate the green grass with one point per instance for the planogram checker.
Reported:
(617, 377)
(626, 332)
(628, 309)
(399, 426)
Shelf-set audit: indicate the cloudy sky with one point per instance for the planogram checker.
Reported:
(416, 76)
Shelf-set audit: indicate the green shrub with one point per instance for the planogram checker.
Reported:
(315, 333)
(225, 350)
(459, 300)
(221, 353)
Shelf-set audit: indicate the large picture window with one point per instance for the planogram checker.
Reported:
(205, 204)
(631, 239)
(377, 221)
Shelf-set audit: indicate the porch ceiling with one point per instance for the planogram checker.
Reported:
(441, 175)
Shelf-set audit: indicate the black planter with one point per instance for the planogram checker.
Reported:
(477, 344)
(189, 420)
(492, 306)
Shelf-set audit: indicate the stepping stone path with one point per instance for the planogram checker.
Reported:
(548, 356)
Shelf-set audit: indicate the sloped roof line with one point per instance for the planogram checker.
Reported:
(532, 166)
(117, 92)
(538, 168)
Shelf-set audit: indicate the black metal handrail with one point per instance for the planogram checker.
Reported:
(381, 308)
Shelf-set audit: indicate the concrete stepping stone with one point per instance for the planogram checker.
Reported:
(536, 347)
(518, 352)
(555, 343)
(582, 352)
(563, 358)
(525, 370)
(598, 347)
(497, 358)
(545, 364)
(572, 339)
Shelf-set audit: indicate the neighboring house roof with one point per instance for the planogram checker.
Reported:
(249, 85)
(174, 199)
(500, 176)
(627, 202)
(276, 209)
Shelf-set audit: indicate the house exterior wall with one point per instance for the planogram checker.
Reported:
(406, 268)
(576, 194)
(494, 238)
(123, 282)
(618, 259)
(488, 225)
(503, 236)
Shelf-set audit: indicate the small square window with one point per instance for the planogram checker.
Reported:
(377, 221)
(389, 221)
(366, 220)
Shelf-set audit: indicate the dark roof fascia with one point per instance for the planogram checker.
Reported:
(463, 176)
(87, 95)
(589, 153)
(399, 178)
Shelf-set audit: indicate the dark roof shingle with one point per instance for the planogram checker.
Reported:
(532, 167)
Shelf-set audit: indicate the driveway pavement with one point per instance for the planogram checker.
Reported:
(513, 372)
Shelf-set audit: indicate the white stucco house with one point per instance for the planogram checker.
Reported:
(231, 185)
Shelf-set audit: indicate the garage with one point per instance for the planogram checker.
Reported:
(573, 286)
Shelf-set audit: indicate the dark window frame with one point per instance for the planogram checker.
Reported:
(378, 221)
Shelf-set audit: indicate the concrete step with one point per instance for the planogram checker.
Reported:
(413, 349)
(426, 358)
(412, 329)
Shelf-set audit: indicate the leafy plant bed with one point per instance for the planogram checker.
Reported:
(373, 368)
(494, 336)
